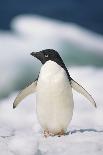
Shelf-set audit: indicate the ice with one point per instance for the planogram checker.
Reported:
(23, 144)
(21, 134)
(33, 33)
(54, 30)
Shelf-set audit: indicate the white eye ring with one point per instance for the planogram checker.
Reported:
(46, 56)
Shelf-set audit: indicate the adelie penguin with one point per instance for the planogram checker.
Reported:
(54, 96)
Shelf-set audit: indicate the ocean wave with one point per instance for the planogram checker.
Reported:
(30, 33)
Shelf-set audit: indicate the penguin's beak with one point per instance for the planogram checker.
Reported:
(33, 54)
(38, 55)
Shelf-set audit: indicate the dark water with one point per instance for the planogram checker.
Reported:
(87, 13)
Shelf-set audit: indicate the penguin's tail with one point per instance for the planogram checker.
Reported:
(77, 87)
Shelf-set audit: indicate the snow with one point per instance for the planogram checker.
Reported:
(21, 134)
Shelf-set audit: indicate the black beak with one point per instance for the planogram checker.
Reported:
(38, 55)
(33, 54)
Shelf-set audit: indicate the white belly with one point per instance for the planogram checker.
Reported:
(54, 98)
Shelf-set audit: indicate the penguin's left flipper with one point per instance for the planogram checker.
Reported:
(82, 91)
(24, 93)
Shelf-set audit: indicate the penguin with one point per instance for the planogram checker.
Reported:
(54, 97)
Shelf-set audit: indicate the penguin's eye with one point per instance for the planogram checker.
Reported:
(46, 55)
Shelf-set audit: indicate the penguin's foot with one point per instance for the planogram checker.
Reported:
(48, 133)
(61, 133)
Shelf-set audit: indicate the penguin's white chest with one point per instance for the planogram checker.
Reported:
(54, 98)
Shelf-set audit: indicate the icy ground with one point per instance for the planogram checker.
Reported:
(20, 133)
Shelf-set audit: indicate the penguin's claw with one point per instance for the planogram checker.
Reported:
(61, 133)
(48, 133)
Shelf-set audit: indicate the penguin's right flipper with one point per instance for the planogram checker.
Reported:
(82, 91)
(24, 93)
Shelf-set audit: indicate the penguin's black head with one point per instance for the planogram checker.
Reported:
(48, 54)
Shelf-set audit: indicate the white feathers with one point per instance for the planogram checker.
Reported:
(82, 91)
(24, 93)
(54, 98)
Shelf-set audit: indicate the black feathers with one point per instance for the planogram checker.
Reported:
(50, 54)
